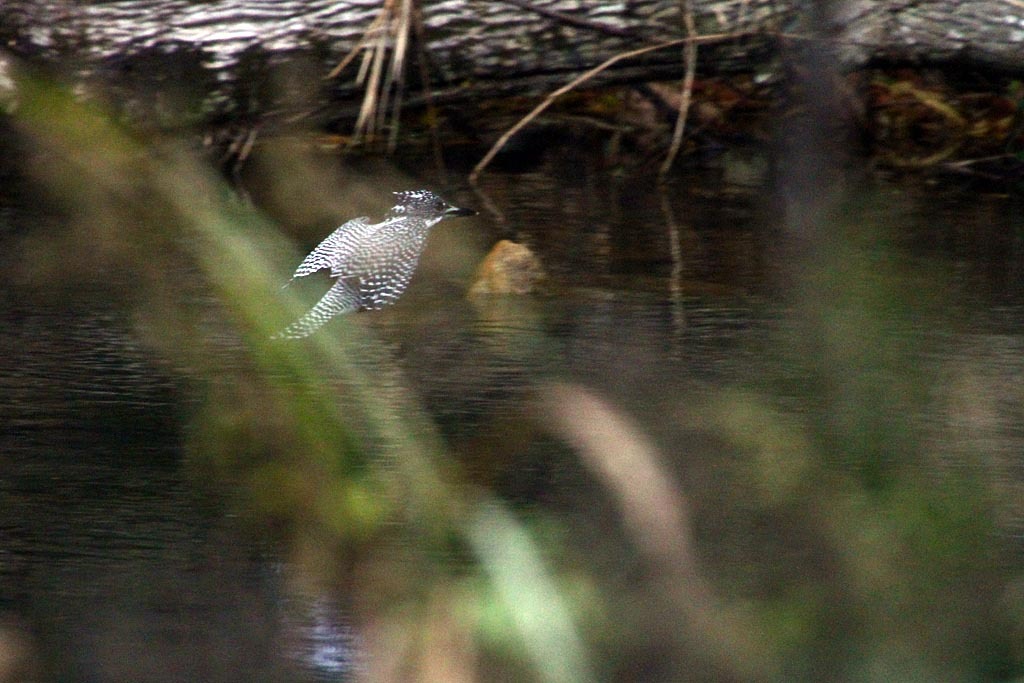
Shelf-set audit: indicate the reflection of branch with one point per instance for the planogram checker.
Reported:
(690, 57)
(550, 99)
(675, 286)
(489, 206)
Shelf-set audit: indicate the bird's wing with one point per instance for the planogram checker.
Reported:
(341, 298)
(332, 251)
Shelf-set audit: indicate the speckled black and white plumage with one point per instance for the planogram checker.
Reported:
(373, 262)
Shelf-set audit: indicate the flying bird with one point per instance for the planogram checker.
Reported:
(372, 263)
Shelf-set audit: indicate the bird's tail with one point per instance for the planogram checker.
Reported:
(340, 298)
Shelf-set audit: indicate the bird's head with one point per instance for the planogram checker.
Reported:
(426, 204)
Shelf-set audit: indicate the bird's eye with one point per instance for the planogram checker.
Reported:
(439, 205)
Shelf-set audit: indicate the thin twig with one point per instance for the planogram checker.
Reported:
(550, 99)
(690, 57)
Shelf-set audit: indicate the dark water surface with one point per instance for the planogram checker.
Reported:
(119, 562)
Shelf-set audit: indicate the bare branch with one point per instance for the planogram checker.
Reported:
(550, 99)
(690, 57)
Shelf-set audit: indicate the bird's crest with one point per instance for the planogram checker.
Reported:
(421, 202)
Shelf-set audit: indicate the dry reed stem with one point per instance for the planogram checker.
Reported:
(384, 86)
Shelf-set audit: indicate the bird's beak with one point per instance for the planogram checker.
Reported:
(456, 211)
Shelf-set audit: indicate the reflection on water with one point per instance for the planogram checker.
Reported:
(119, 565)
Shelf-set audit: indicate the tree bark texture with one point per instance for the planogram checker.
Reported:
(250, 56)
